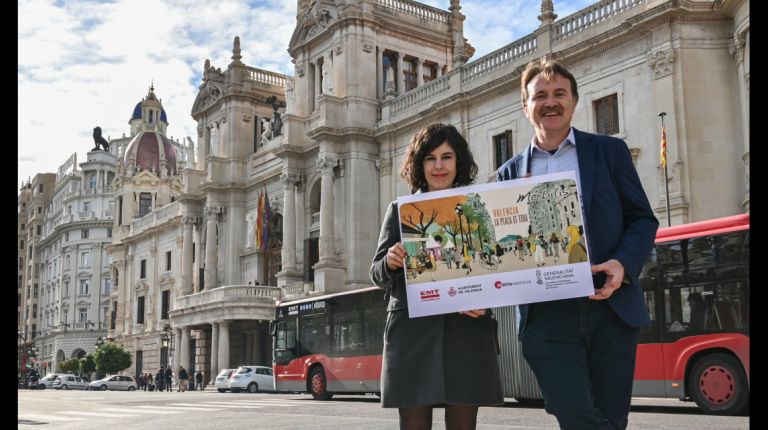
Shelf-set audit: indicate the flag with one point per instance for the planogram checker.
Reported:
(663, 146)
(267, 214)
(259, 219)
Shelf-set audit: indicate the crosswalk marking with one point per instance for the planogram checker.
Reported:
(46, 417)
(229, 406)
(95, 414)
(138, 409)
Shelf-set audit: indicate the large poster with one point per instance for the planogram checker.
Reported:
(496, 244)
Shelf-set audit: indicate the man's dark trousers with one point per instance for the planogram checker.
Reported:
(560, 338)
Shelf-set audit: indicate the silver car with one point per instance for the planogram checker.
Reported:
(70, 382)
(114, 382)
(222, 380)
(47, 381)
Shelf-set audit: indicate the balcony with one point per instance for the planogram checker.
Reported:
(234, 301)
(155, 218)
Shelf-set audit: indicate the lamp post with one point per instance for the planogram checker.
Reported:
(165, 343)
(459, 211)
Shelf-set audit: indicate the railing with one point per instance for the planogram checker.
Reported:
(421, 94)
(266, 77)
(298, 288)
(498, 58)
(106, 214)
(231, 293)
(418, 10)
(315, 218)
(589, 16)
(156, 217)
(85, 216)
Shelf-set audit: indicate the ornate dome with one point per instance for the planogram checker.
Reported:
(137, 112)
(150, 150)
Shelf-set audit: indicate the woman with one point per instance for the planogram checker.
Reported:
(441, 359)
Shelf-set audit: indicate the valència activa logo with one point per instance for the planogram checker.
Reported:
(499, 285)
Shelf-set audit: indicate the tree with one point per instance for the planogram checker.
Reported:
(87, 366)
(111, 358)
(69, 366)
(422, 225)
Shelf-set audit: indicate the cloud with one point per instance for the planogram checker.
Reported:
(87, 63)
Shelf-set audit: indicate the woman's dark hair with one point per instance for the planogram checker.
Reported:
(424, 142)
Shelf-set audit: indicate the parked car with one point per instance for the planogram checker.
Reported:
(252, 378)
(47, 381)
(114, 382)
(222, 380)
(68, 381)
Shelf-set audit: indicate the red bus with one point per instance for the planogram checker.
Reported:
(330, 344)
(696, 286)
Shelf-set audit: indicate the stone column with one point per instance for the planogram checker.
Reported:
(186, 256)
(214, 352)
(329, 274)
(223, 360)
(327, 239)
(300, 218)
(399, 76)
(176, 352)
(184, 359)
(379, 72)
(211, 248)
(419, 72)
(289, 221)
(318, 74)
(198, 232)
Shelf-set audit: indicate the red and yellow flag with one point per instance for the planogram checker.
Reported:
(663, 146)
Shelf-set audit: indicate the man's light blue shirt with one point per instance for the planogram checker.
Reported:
(564, 159)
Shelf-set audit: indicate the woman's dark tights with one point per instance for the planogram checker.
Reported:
(457, 417)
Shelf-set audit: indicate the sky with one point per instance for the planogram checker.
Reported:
(87, 63)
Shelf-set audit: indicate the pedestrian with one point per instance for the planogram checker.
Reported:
(183, 379)
(596, 336)
(433, 360)
(168, 378)
(159, 378)
(199, 380)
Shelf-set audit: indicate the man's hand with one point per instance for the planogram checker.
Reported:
(474, 313)
(614, 274)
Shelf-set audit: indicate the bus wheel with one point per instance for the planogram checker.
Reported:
(318, 386)
(718, 385)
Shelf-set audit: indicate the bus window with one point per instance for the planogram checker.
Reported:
(285, 342)
(347, 333)
(374, 320)
(314, 336)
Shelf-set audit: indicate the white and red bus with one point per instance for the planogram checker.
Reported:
(696, 286)
(330, 344)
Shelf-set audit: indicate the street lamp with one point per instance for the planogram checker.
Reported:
(165, 343)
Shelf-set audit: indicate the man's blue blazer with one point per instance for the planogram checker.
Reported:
(619, 220)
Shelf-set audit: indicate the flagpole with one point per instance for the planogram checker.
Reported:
(666, 179)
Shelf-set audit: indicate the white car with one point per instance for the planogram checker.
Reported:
(222, 380)
(47, 381)
(253, 379)
(114, 382)
(68, 381)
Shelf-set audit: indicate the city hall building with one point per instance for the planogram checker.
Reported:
(315, 156)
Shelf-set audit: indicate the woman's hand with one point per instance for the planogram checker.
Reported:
(396, 256)
(474, 313)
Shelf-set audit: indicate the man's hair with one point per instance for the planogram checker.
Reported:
(424, 142)
(548, 69)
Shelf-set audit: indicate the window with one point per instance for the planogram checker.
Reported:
(22, 226)
(109, 231)
(21, 263)
(38, 230)
(165, 305)
(39, 209)
(607, 115)
(107, 286)
(140, 310)
(83, 315)
(34, 296)
(34, 311)
(66, 237)
(86, 207)
(84, 233)
(168, 261)
(66, 262)
(145, 204)
(409, 73)
(83, 287)
(85, 259)
(143, 270)
(21, 244)
(40, 188)
(92, 181)
(65, 289)
(502, 147)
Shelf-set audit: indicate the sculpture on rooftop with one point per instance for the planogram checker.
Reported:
(99, 141)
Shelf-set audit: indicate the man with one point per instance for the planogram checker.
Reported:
(582, 350)
(183, 379)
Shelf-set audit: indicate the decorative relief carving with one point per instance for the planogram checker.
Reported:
(200, 129)
(384, 164)
(737, 45)
(325, 163)
(300, 71)
(367, 47)
(289, 179)
(661, 62)
(246, 117)
(337, 49)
